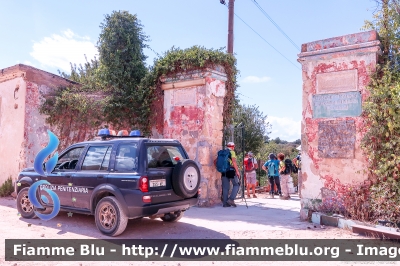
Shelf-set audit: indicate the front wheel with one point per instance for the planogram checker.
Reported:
(24, 205)
(172, 217)
(110, 218)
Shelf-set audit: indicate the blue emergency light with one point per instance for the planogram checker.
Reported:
(135, 133)
(104, 132)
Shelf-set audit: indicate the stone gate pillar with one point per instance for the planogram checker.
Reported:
(193, 105)
(335, 72)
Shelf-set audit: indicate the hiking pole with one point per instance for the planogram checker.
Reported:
(243, 197)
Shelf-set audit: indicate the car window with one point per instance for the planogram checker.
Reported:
(95, 157)
(163, 156)
(127, 157)
(69, 159)
(106, 161)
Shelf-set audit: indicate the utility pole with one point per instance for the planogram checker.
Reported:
(231, 6)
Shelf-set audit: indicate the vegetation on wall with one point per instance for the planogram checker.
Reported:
(118, 89)
(176, 61)
(381, 142)
(111, 88)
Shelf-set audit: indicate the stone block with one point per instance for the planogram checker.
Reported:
(316, 218)
(329, 220)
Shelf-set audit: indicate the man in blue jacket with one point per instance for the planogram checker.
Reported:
(272, 169)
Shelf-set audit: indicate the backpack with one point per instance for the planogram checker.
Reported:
(249, 165)
(272, 169)
(294, 168)
(222, 162)
(288, 167)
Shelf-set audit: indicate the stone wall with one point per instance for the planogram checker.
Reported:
(12, 116)
(23, 130)
(335, 73)
(193, 105)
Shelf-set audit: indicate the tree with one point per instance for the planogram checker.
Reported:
(297, 141)
(122, 67)
(255, 128)
(381, 141)
(85, 75)
(387, 23)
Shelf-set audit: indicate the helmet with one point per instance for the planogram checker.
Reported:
(230, 144)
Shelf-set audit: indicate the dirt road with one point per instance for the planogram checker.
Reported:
(263, 219)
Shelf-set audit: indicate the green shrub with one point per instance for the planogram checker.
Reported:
(7, 188)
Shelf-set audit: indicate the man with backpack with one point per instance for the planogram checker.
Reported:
(297, 163)
(272, 169)
(250, 166)
(227, 165)
(285, 169)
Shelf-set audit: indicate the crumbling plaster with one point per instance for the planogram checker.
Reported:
(339, 55)
(23, 130)
(193, 115)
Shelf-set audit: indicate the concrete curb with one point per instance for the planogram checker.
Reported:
(336, 221)
(355, 226)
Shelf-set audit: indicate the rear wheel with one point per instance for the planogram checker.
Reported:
(24, 205)
(110, 218)
(186, 179)
(172, 217)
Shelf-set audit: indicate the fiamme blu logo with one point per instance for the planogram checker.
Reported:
(49, 167)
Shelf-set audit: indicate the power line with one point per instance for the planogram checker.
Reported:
(265, 40)
(273, 22)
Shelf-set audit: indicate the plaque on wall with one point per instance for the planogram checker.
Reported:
(343, 104)
(338, 81)
(336, 139)
(185, 97)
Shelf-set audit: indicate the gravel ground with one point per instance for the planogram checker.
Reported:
(263, 219)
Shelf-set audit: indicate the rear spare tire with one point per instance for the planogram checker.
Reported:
(186, 178)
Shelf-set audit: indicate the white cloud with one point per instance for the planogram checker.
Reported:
(254, 79)
(285, 128)
(59, 50)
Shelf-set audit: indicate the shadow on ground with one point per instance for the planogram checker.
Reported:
(137, 229)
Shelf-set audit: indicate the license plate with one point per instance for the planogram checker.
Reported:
(157, 183)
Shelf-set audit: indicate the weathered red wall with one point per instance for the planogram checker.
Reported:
(193, 115)
(343, 64)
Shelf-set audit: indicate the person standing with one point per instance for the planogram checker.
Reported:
(272, 169)
(250, 168)
(299, 180)
(232, 175)
(284, 177)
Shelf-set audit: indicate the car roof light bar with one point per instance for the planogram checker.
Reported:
(104, 133)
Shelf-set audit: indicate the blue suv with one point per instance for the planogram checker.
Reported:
(116, 179)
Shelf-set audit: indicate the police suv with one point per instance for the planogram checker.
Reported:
(116, 179)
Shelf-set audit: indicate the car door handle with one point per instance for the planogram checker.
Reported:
(100, 176)
(68, 176)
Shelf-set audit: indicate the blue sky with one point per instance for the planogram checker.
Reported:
(50, 34)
